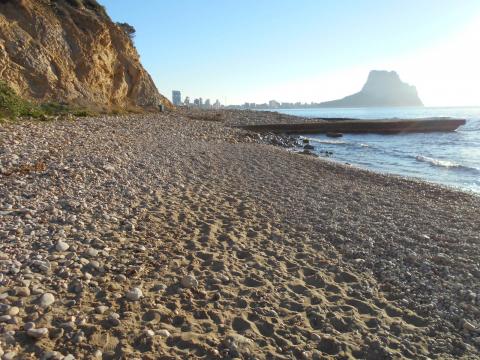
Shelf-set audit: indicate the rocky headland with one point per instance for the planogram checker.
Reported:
(382, 89)
(176, 236)
(70, 51)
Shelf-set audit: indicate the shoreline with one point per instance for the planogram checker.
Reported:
(173, 235)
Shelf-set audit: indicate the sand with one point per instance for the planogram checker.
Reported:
(169, 236)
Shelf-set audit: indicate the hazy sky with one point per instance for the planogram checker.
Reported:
(306, 50)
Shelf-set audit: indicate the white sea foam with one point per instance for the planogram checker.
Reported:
(330, 142)
(445, 163)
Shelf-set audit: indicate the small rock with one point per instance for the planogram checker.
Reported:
(13, 311)
(29, 325)
(134, 295)
(22, 291)
(46, 300)
(189, 281)
(114, 319)
(469, 326)
(11, 355)
(101, 309)
(61, 246)
(91, 252)
(37, 333)
(52, 355)
(120, 278)
(164, 333)
(149, 333)
(5, 319)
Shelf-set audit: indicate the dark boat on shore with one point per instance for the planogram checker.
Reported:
(350, 126)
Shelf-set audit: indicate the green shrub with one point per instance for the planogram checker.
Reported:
(128, 29)
(89, 4)
(12, 105)
(95, 6)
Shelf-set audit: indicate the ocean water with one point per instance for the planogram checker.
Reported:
(451, 159)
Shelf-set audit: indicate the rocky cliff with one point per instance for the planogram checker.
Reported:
(383, 88)
(70, 51)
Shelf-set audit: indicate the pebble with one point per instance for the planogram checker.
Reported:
(101, 309)
(37, 333)
(189, 281)
(13, 311)
(91, 252)
(114, 319)
(149, 333)
(29, 325)
(5, 319)
(469, 326)
(134, 295)
(120, 278)
(11, 355)
(46, 300)
(164, 333)
(61, 246)
(22, 291)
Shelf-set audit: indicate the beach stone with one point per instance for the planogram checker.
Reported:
(114, 319)
(13, 311)
(22, 291)
(5, 319)
(189, 281)
(149, 333)
(11, 355)
(469, 326)
(52, 355)
(91, 252)
(29, 325)
(61, 246)
(46, 300)
(120, 278)
(101, 309)
(164, 333)
(37, 333)
(134, 295)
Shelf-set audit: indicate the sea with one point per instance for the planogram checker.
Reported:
(451, 159)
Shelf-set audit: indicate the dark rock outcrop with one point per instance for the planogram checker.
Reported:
(71, 51)
(383, 88)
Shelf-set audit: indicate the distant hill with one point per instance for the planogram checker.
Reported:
(382, 89)
(71, 51)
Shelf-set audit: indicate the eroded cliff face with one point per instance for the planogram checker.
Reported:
(70, 51)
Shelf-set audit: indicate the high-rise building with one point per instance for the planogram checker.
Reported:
(274, 104)
(176, 97)
(207, 103)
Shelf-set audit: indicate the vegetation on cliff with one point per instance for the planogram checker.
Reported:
(70, 51)
(13, 106)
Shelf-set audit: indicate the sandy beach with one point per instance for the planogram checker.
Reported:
(176, 236)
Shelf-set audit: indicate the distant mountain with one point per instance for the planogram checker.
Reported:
(382, 89)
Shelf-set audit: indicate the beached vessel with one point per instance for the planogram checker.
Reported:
(353, 126)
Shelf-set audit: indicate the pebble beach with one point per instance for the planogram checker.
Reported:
(178, 236)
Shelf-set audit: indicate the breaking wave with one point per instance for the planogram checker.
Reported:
(445, 164)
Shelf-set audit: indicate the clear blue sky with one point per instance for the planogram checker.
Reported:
(254, 50)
